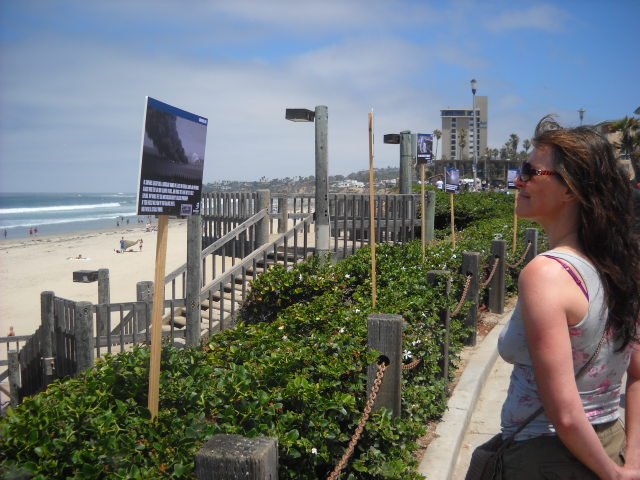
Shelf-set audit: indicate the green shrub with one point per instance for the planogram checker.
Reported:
(294, 368)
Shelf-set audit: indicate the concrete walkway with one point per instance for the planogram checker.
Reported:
(473, 413)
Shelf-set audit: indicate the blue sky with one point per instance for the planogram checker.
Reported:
(74, 76)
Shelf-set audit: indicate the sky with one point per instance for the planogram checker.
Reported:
(74, 75)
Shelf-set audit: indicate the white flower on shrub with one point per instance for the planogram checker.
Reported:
(347, 276)
(314, 451)
(406, 354)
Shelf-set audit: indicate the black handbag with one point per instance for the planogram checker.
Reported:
(486, 460)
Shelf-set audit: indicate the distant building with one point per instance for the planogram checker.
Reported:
(454, 121)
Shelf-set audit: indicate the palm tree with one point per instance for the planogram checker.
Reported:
(512, 143)
(462, 142)
(629, 143)
(438, 134)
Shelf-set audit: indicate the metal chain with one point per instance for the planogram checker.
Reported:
(456, 311)
(412, 365)
(496, 261)
(521, 258)
(365, 416)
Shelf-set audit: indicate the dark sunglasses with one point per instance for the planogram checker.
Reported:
(527, 171)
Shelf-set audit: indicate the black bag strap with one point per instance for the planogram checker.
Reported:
(508, 441)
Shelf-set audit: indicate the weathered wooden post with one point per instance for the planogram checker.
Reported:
(104, 295)
(144, 293)
(434, 278)
(262, 227)
(14, 377)
(531, 235)
(83, 332)
(497, 284)
(471, 266)
(385, 337)
(229, 457)
(283, 210)
(194, 280)
(47, 321)
(431, 215)
(104, 298)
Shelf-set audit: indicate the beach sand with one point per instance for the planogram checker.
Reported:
(33, 265)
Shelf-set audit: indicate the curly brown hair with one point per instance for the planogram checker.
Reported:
(585, 161)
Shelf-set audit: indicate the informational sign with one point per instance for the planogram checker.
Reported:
(452, 180)
(512, 174)
(172, 161)
(425, 148)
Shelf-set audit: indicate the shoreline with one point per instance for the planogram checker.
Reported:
(29, 266)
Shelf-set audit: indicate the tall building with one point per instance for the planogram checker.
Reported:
(459, 121)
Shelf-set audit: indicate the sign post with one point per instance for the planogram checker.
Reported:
(170, 184)
(452, 184)
(424, 157)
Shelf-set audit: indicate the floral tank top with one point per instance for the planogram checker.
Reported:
(599, 387)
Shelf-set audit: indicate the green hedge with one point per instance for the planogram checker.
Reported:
(294, 368)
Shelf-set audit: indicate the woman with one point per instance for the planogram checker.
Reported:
(586, 286)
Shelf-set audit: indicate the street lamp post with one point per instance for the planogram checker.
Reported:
(321, 118)
(474, 83)
(581, 113)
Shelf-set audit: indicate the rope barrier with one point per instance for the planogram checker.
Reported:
(496, 261)
(521, 258)
(412, 365)
(365, 416)
(456, 311)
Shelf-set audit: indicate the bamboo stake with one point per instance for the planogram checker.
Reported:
(515, 222)
(156, 323)
(453, 224)
(372, 212)
(424, 213)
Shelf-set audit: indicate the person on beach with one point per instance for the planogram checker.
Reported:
(582, 293)
(140, 244)
(11, 332)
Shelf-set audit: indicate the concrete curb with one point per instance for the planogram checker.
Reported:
(440, 457)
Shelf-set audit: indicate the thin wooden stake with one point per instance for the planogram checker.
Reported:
(453, 224)
(372, 211)
(515, 222)
(424, 213)
(156, 322)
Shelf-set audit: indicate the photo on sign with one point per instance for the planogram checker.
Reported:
(172, 161)
(512, 174)
(425, 148)
(452, 180)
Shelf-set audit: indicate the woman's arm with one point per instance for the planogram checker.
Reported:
(632, 412)
(550, 302)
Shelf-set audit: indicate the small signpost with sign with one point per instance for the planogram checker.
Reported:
(170, 184)
(452, 184)
(424, 157)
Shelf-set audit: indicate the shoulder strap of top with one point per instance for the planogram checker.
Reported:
(573, 274)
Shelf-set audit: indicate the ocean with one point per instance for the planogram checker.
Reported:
(63, 213)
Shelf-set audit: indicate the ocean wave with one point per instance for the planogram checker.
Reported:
(45, 222)
(58, 208)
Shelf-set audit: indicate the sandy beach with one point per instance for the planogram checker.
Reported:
(33, 265)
